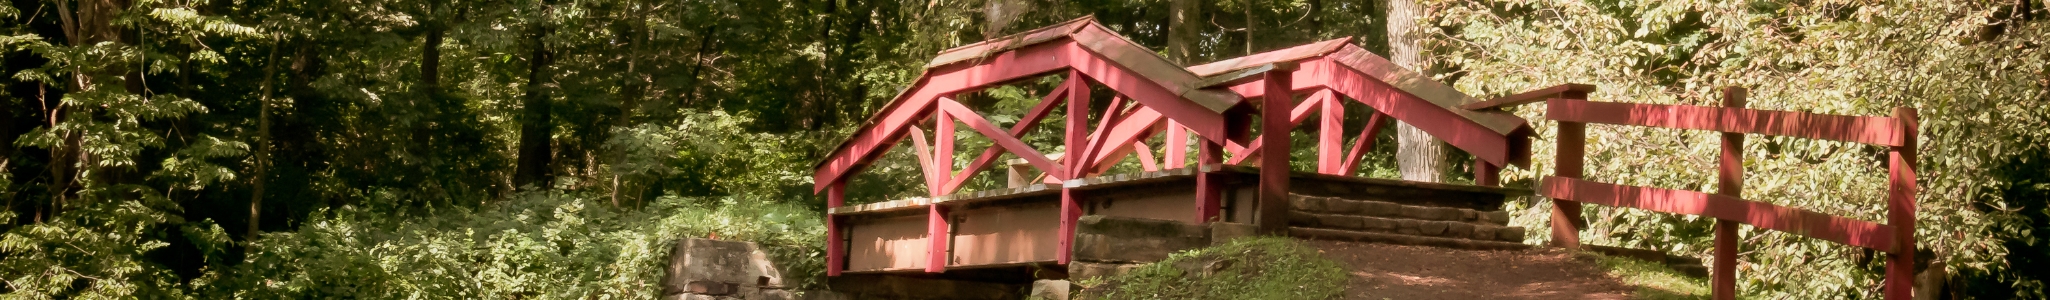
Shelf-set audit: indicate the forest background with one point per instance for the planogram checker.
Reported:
(552, 148)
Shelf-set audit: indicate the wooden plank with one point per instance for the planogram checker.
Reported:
(925, 163)
(1869, 130)
(1177, 145)
(1284, 55)
(942, 152)
(1275, 126)
(1729, 182)
(1112, 115)
(1557, 91)
(1145, 156)
(1483, 134)
(1330, 133)
(1572, 157)
(1197, 109)
(1002, 138)
(1240, 153)
(1762, 215)
(1025, 123)
(1900, 206)
(836, 252)
(1141, 125)
(936, 236)
(1362, 144)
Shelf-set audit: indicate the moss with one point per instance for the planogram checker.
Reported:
(1246, 268)
(1653, 280)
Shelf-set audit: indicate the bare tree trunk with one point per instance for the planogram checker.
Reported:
(1183, 29)
(537, 124)
(1419, 156)
(257, 182)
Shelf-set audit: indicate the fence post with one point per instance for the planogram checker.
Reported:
(1900, 207)
(1074, 157)
(1729, 182)
(936, 237)
(836, 257)
(1572, 154)
(1274, 128)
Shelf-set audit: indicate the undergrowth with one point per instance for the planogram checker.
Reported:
(1247, 268)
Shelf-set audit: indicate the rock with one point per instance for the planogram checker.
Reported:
(1307, 203)
(1049, 290)
(1339, 221)
(1458, 230)
(1081, 270)
(1342, 206)
(1509, 234)
(1114, 239)
(1432, 228)
(1485, 233)
(1380, 209)
(1495, 217)
(714, 267)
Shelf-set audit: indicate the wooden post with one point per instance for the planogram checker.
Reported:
(1566, 214)
(1274, 128)
(1900, 207)
(1330, 133)
(1729, 182)
(1209, 189)
(1075, 160)
(937, 237)
(1486, 174)
(836, 195)
(1177, 145)
(943, 151)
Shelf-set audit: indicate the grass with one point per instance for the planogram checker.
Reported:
(1653, 280)
(1246, 268)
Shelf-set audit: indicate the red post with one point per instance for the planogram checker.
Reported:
(1900, 207)
(1076, 159)
(1729, 182)
(836, 195)
(1177, 145)
(937, 236)
(943, 151)
(1330, 134)
(1209, 191)
(1274, 170)
(1566, 214)
(1486, 174)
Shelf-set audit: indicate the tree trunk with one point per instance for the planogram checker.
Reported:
(262, 175)
(430, 59)
(91, 23)
(1419, 156)
(537, 124)
(1183, 28)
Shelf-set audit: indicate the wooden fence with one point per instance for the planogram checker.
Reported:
(1896, 238)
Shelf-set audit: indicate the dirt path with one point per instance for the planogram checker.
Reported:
(1408, 272)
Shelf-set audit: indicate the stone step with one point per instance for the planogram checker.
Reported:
(1390, 210)
(1401, 239)
(1413, 227)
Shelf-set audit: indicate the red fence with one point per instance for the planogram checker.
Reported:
(1896, 237)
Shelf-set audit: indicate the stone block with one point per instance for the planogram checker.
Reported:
(1377, 224)
(714, 288)
(882, 286)
(1484, 233)
(1339, 221)
(1509, 234)
(1115, 239)
(714, 265)
(1081, 270)
(1221, 232)
(1469, 215)
(1432, 228)
(1380, 209)
(1307, 203)
(1342, 206)
(822, 295)
(1301, 218)
(1045, 289)
(1458, 230)
(1441, 214)
(1416, 212)
(1495, 217)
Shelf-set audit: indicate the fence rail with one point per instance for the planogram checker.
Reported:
(1897, 132)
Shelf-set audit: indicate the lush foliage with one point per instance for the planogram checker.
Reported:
(1976, 71)
(1246, 268)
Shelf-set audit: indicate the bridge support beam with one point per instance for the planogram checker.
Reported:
(1274, 129)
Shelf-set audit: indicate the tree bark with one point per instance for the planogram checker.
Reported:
(1418, 155)
(537, 124)
(91, 23)
(257, 182)
(1183, 30)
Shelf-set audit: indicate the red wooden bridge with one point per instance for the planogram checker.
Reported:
(1032, 223)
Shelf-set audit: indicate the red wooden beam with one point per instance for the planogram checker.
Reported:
(1900, 206)
(1025, 123)
(1002, 139)
(1455, 128)
(1362, 144)
(1075, 157)
(1730, 183)
(1145, 156)
(888, 126)
(1486, 174)
(1142, 124)
(1240, 153)
(1870, 130)
(1572, 156)
(1762, 215)
(1202, 120)
(1209, 184)
(942, 152)
(1112, 115)
(936, 238)
(1330, 134)
(1274, 128)
(836, 252)
(1177, 145)
(1557, 91)
(925, 163)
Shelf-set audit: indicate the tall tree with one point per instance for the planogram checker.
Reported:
(1419, 156)
(537, 126)
(1183, 30)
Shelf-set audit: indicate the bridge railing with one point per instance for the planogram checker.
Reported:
(1896, 237)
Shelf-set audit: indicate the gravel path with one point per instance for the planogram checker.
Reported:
(1409, 272)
